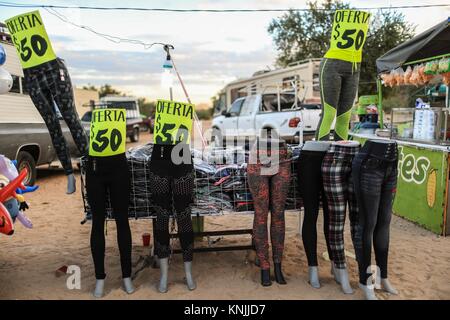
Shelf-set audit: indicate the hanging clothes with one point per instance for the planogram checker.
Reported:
(50, 83)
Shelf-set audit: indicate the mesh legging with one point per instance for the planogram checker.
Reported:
(50, 83)
(172, 188)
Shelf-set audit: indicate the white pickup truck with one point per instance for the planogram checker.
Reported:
(257, 115)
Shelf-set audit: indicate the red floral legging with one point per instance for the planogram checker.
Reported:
(269, 192)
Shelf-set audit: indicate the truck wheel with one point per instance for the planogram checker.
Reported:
(26, 160)
(216, 138)
(269, 133)
(135, 136)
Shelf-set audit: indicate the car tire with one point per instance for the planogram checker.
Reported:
(135, 136)
(26, 160)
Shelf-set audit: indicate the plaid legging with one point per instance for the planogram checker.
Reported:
(339, 190)
(50, 84)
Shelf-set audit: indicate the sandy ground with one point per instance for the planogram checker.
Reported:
(419, 260)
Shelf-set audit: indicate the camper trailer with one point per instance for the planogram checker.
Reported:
(300, 78)
(23, 134)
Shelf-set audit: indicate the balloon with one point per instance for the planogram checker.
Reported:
(6, 223)
(2, 55)
(6, 81)
(27, 189)
(9, 190)
(7, 168)
(13, 208)
(24, 220)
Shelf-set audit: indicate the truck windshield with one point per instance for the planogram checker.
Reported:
(130, 106)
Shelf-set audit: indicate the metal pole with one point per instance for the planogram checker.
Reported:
(380, 102)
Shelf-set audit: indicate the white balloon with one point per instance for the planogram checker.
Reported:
(6, 81)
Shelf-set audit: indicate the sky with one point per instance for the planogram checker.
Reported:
(211, 49)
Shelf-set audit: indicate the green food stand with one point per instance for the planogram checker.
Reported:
(422, 194)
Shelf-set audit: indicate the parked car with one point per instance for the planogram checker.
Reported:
(266, 114)
(131, 104)
(132, 129)
(147, 123)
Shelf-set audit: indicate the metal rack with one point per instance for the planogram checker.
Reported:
(221, 188)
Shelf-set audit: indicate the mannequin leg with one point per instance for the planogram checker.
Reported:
(64, 98)
(183, 188)
(381, 234)
(43, 101)
(259, 187)
(330, 87)
(162, 201)
(279, 185)
(96, 188)
(119, 194)
(311, 188)
(336, 169)
(349, 87)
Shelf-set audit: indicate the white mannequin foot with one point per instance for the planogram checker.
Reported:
(164, 270)
(313, 273)
(344, 281)
(387, 286)
(128, 285)
(334, 273)
(99, 288)
(369, 293)
(71, 184)
(189, 278)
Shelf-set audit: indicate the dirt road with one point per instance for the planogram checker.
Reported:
(419, 260)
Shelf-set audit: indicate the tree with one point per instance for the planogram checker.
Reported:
(107, 89)
(305, 35)
(147, 107)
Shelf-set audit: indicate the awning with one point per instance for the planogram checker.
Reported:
(435, 42)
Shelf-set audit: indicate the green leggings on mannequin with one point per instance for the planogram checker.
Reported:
(338, 86)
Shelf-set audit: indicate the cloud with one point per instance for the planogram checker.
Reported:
(204, 72)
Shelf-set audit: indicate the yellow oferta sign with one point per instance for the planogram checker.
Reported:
(348, 35)
(30, 39)
(173, 122)
(108, 132)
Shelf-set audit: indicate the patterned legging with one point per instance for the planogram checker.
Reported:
(339, 191)
(269, 192)
(172, 191)
(50, 84)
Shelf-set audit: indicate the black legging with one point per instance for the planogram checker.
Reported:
(311, 189)
(109, 175)
(50, 83)
(375, 179)
(172, 188)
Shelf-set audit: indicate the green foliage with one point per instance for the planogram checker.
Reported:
(305, 35)
(205, 114)
(147, 107)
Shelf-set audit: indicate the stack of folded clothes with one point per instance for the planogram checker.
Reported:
(219, 187)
